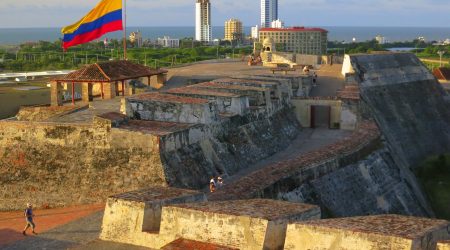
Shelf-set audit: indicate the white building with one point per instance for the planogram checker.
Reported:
(277, 24)
(269, 12)
(381, 39)
(203, 21)
(168, 42)
(255, 32)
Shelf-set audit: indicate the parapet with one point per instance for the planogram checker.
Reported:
(135, 217)
(443, 245)
(242, 224)
(370, 232)
(168, 217)
(171, 108)
(226, 102)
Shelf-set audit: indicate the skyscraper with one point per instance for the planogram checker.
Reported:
(269, 12)
(203, 21)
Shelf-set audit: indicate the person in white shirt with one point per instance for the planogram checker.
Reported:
(212, 185)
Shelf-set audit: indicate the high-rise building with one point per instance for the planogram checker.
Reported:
(269, 12)
(233, 30)
(301, 40)
(255, 32)
(203, 21)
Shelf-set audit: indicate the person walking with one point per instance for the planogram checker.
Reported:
(219, 182)
(29, 219)
(212, 185)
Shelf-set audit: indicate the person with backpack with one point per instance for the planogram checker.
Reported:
(29, 219)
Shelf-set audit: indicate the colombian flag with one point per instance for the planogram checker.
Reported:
(105, 17)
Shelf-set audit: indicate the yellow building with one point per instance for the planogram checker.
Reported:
(233, 30)
(301, 40)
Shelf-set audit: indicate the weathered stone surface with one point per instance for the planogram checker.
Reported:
(60, 164)
(408, 104)
(283, 177)
(135, 218)
(372, 186)
(370, 232)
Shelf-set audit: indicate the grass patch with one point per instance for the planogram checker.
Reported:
(434, 175)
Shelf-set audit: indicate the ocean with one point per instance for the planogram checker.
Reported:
(19, 35)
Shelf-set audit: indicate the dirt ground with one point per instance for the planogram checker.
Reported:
(12, 223)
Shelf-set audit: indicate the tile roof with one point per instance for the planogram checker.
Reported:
(215, 85)
(110, 71)
(155, 194)
(391, 225)
(442, 73)
(200, 92)
(255, 208)
(156, 127)
(184, 244)
(293, 29)
(159, 97)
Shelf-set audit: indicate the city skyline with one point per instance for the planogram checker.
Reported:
(415, 13)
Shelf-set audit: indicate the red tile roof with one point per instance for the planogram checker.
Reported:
(293, 29)
(110, 72)
(391, 225)
(255, 208)
(442, 73)
(184, 244)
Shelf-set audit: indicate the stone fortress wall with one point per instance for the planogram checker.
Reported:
(358, 175)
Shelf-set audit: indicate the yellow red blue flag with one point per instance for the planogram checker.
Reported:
(104, 18)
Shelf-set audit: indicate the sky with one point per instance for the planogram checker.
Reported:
(141, 13)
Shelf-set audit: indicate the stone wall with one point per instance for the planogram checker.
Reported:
(283, 176)
(408, 104)
(238, 144)
(371, 232)
(374, 185)
(163, 107)
(156, 217)
(60, 164)
(42, 113)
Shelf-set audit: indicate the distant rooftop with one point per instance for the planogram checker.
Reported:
(110, 71)
(294, 29)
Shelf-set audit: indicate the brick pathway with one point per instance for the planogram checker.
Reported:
(12, 223)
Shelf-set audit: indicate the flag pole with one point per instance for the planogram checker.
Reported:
(125, 29)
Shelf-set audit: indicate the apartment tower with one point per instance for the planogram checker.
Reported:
(269, 12)
(203, 21)
(233, 30)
